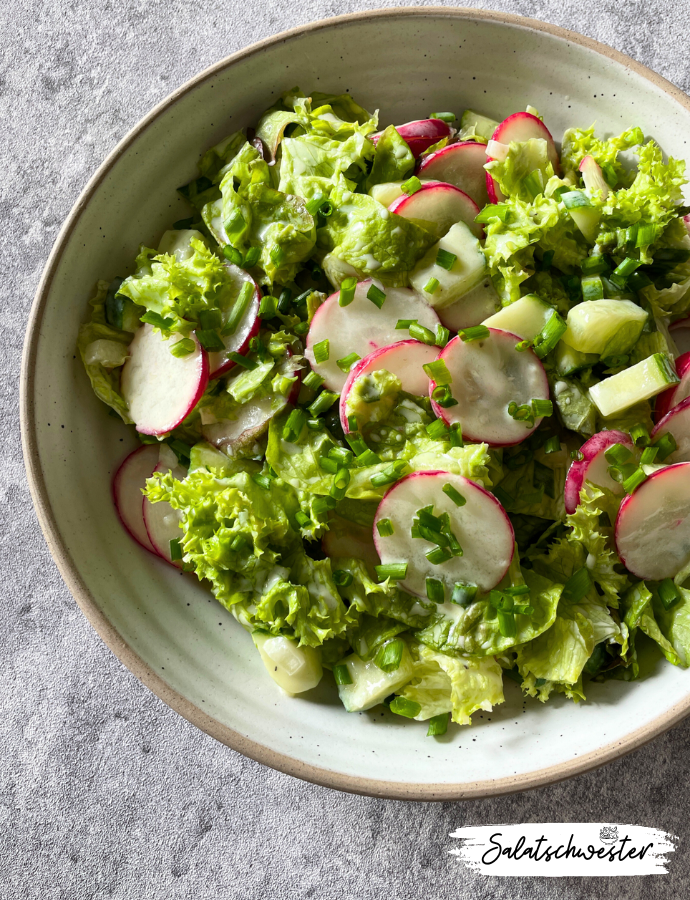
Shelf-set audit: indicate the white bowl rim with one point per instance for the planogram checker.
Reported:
(68, 569)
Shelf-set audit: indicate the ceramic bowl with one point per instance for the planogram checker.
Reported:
(168, 630)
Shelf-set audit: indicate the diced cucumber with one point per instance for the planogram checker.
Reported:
(473, 126)
(295, 669)
(604, 327)
(575, 408)
(204, 455)
(640, 382)
(583, 214)
(472, 308)
(371, 685)
(569, 361)
(525, 318)
(467, 271)
(387, 192)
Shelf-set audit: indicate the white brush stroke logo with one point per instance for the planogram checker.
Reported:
(559, 849)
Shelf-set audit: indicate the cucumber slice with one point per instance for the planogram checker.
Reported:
(640, 382)
(386, 192)
(473, 125)
(472, 308)
(576, 410)
(525, 318)
(179, 243)
(467, 271)
(371, 685)
(203, 455)
(605, 327)
(570, 361)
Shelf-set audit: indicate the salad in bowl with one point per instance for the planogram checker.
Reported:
(412, 402)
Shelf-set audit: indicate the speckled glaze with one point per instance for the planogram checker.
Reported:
(166, 628)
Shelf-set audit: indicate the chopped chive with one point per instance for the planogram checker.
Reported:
(575, 199)
(341, 455)
(389, 657)
(435, 590)
(328, 465)
(577, 586)
(239, 542)
(421, 333)
(210, 319)
(313, 381)
(343, 578)
(234, 224)
(475, 333)
(550, 335)
(404, 324)
(301, 328)
(239, 308)
(521, 413)
(262, 480)
(438, 555)
(666, 444)
(293, 426)
(175, 549)
(324, 401)
(639, 436)
(456, 435)
(632, 482)
(357, 444)
(442, 336)
(155, 319)
(448, 117)
(594, 265)
(376, 295)
(315, 424)
(432, 286)
(347, 362)
(302, 519)
(352, 423)
(397, 571)
(648, 456)
(388, 476)
(624, 270)
(411, 186)
(506, 623)
(437, 430)
(368, 458)
(277, 255)
(437, 370)
(617, 454)
(542, 408)
(183, 348)
(322, 351)
(668, 592)
(341, 673)
(210, 340)
(341, 479)
(402, 707)
(251, 257)
(268, 307)
(552, 444)
(323, 505)
(491, 211)
(463, 594)
(347, 291)
(438, 725)
(454, 494)
(592, 287)
(385, 527)
(442, 395)
(517, 590)
(445, 260)
(242, 361)
(284, 300)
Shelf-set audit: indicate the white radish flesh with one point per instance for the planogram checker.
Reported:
(438, 206)
(128, 483)
(594, 467)
(460, 164)
(481, 527)
(676, 394)
(421, 134)
(487, 375)
(653, 525)
(676, 422)
(521, 126)
(362, 327)
(405, 360)
(161, 520)
(593, 176)
(472, 308)
(680, 332)
(162, 389)
(247, 327)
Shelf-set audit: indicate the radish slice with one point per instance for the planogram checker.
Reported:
(481, 526)
(677, 423)
(128, 483)
(349, 540)
(680, 331)
(476, 305)
(593, 177)
(439, 206)
(162, 389)
(161, 520)
(521, 126)
(678, 392)
(594, 467)
(421, 134)
(247, 327)
(487, 375)
(461, 165)
(404, 359)
(653, 525)
(361, 327)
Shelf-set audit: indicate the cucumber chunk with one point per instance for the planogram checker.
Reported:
(371, 685)
(605, 327)
(467, 270)
(386, 192)
(295, 669)
(569, 361)
(525, 318)
(640, 382)
(576, 410)
(473, 125)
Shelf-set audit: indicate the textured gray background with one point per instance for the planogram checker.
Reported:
(104, 791)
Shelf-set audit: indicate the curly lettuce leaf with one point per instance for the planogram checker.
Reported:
(364, 595)
(580, 142)
(524, 162)
(393, 159)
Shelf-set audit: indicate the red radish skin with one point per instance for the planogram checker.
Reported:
(593, 468)
(593, 177)
(521, 126)
(247, 328)
(677, 423)
(678, 392)
(421, 134)
(652, 531)
(440, 203)
(680, 332)
(481, 526)
(461, 165)
(362, 328)
(161, 389)
(128, 483)
(484, 413)
(162, 521)
(404, 359)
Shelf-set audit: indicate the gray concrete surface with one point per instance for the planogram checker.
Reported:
(104, 791)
